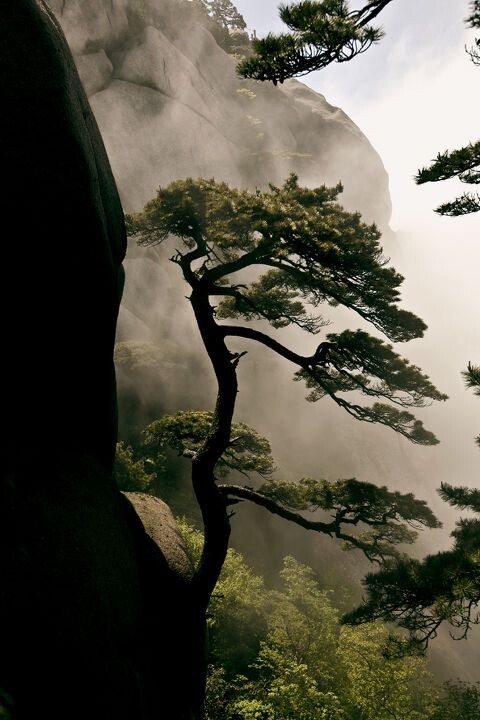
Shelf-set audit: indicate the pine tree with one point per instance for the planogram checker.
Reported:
(225, 14)
(444, 587)
(304, 250)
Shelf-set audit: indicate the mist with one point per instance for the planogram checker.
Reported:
(169, 105)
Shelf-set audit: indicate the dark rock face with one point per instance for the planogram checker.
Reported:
(64, 242)
(77, 599)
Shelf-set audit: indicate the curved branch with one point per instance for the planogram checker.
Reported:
(371, 551)
(260, 337)
(365, 311)
(243, 493)
(234, 292)
(254, 257)
(370, 11)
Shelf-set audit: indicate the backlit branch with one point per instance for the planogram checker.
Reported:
(349, 503)
(321, 33)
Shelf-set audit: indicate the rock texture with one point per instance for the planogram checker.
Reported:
(173, 106)
(160, 525)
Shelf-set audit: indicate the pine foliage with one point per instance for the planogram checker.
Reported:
(309, 253)
(320, 32)
(463, 164)
(444, 587)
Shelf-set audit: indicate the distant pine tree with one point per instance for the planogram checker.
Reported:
(225, 14)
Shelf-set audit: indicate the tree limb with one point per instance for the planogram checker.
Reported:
(263, 339)
(244, 493)
(370, 11)
(333, 529)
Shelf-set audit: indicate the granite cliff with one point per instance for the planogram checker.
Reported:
(169, 104)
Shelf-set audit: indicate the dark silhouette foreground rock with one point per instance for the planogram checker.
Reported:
(89, 608)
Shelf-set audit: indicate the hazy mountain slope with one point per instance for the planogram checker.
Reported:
(169, 104)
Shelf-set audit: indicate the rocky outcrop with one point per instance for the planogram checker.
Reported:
(160, 525)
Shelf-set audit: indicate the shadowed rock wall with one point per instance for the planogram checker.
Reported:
(82, 587)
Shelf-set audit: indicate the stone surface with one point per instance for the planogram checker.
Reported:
(160, 526)
(91, 25)
(95, 70)
(80, 616)
(139, 114)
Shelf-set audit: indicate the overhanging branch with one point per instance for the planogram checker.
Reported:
(260, 337)
(243, 493)
(372, 551)
(370, 11)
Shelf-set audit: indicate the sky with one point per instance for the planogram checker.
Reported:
(412, 95)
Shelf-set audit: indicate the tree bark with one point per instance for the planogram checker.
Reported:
(211, 500)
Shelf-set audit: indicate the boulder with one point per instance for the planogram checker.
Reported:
(92, 25)
(160, 526)
(156, 63)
